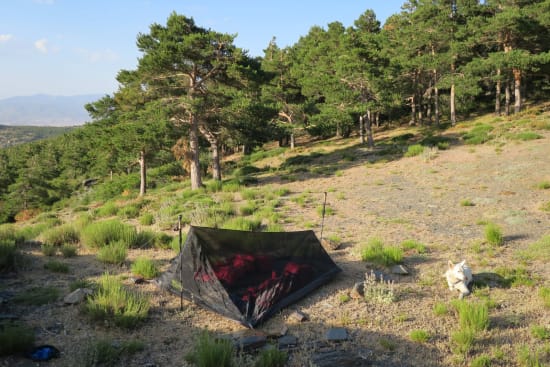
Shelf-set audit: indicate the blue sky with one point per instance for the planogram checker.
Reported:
(68, 47)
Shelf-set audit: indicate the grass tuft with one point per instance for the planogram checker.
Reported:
(15, 338)
(145, 268)
(376, 252)
(113, 253)
(211, 352)
(493, 234)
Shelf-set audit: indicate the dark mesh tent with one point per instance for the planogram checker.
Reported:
(248, 276)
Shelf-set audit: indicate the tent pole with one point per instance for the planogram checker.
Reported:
(181, 262)
(323, 218)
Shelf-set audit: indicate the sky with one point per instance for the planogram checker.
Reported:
(72, 47)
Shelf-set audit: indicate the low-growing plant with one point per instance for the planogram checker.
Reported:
(48, 250)
(493, 234)
(211, 352)
(81, 283)
(513, 277)
(378, 291)
(440, 309)
(544, 294)
(242, 224)
(387, 344)
(528, 358)
(466, 202)
(472, 316)
(248, 208)
(271, 357)
(145, 268)
(414, 150)
(543, 185)
(147, 219)
(545, 207)
(114, 303)
(540, 332)
(344, 298)
(107, 210)
(462, 341)
(99, 234)
(128, 212)
(61, 235)
(113, 253)
(15, 338)
(68, 250)
(37, 296)
(376, 252)
(419, 336)
(478, 135)
(327, 210)
(481, 361)
(413, 245)
(56, 266)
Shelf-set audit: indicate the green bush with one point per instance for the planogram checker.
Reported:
(107, 210)
(376, 252)
(242, 224)
(481, 361)
(128, 212)
(37, 296)
(472, 316)
(414, 150)
(248, 209)
(271, 357)
(56, 266)
(413, 245)
(58, 236)
(68, 250)
(212, 352)
(478, 135)
(147, 219)
(15, 338)
(462, 341)
(145, 268)
(114, 303)
(48, 250)
(99, 234)
(493, 234)
(113, 253)
(9, 255)
(419, 336)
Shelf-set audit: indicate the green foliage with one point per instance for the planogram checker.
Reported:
(525, 136)
(56, 266)
(81, 283)
(271, 357)
(116, 304)
(440, 309)
(481, 361)
(540, 332)
(414, 150)
(58, 236)
(145, 268)
(147, 219)
(113, 253)
(9, 255)
(99, 234)
(37, 296)
(462, 341)
(106, 352)
(478, 135)
(248, 208)
(544, 294)
(419, 336)
(48, 250)
(211, 352)
(466, 202)
(108, 209)
(129, 211)
(15, 338)
(378, 291)
(242, 224)
(513, 277)
(539, 250)
(543, 185)
(376, 252)
(68, 251)
(528, 358)
(472, 316)
(408, 245)
(493, 234)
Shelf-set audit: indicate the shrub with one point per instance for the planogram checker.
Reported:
(377, 253)
(68, 250)
(493, 234)
(462, 341)
(481, 361)
(413, 245)
(145, 268)
(15, 338)
(107, 210)
(544, 293)
(211, 352)
(527, 358)
(128, 212)
(378, 291)
(478, 135)
(80, 283)
(419, 336)
(440, 309)
(414, 150)
(56, 266)
(102, 233)
(147, 219)
(540, 332)
(544, 185)
(9, 255)
(472, 316)
(242, 224)
(58, 236)
(37, 296)
(114, 303)
(271, 357)
(48, 250)
(113, 253)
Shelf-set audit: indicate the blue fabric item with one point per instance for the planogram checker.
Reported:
(44, 353)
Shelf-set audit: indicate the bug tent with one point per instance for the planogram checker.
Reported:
(248, 276)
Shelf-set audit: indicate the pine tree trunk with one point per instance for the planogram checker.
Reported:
(368, 126)
(361, 130)
(292, 140)
(194, 163)
(215, 151)
(508, 98)
(413, 110)
(142, 173)
(452, 105)
(497, 93)
(436, 105)
(517, 90)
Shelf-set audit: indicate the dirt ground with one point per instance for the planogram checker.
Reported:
(416, 198)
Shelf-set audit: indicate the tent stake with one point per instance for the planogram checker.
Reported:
(323, 218)
(181, 262)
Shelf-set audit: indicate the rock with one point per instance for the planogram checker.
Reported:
(358, 290)
(251, 342)
(287, 342)
(298, 316)
(337, 334)
(77, 296)
(400, 270)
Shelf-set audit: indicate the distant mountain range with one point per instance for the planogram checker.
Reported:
(46, 110)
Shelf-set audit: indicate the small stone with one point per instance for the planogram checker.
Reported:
(337, 334)
(340, 358)
(251, 342)
(287, 341)
(298, 316)
(76, 296)
(399, 269)
(358, 290)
